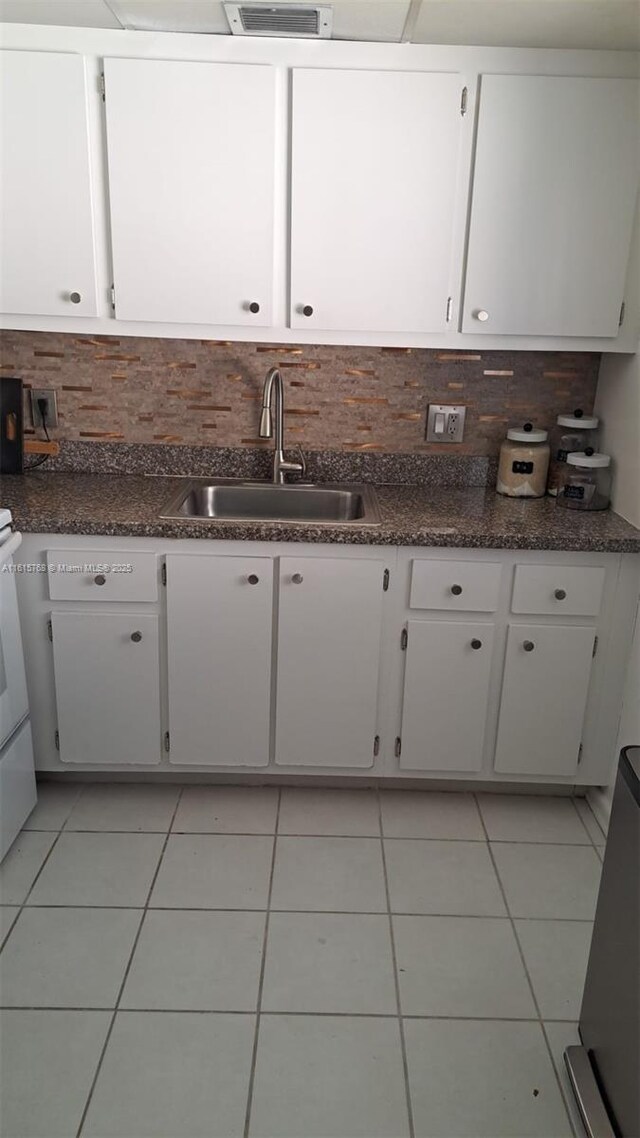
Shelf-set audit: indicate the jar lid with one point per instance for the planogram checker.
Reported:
(580, 458)
(582, 424)
(527, 434)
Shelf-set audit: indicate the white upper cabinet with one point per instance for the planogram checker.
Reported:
(554, 192)
(374, 171)
(191, 152)
(46, 217)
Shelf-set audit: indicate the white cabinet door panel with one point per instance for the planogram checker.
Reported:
(544, 696)
(46, 212)
(107, 687)
(554, 192)
(219, 630)
(191, 150)
(374, 168)
(446, 691)
(328, 661)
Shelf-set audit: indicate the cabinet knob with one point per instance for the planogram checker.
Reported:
(297, 578)
(481, 315)
(75, 297)
(475, 644)
(253, 579)
(307, 310)
(100, 579)
(136, 637)
(560, 594)
(528, 645)
(254, 306)
(456, 590)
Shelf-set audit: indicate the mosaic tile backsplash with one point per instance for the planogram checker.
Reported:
(359, 399)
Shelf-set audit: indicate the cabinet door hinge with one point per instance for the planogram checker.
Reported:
(56, 739)
(404, 639)
(397, 750)
(102, 87)
(50, 630)
(163, 573)
(112, 296)
(167, 742)
(579, 754)
(449, 308)
(463, 101)
(621, 318)
(385, 580)
(595, 645)
(376, 745)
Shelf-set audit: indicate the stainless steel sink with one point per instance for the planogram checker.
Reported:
(231, 500)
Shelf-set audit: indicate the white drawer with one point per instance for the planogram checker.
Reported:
(558, 590)
(456, 586)
(101, 575)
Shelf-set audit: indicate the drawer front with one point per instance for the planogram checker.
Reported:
(457, 586)
(558, 590)
(102, 575)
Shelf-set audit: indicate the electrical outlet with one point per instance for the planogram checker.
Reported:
(49, 395)
(445, 423)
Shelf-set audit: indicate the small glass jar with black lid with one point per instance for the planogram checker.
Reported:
(577, 432)
(585, 482)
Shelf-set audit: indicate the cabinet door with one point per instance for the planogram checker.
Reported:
(374, 166)
(544, 696)
(46, 213)
(329, 626)
(107, 680)
(446, 691)
(219, 631)
(191, 167)
(554, 191)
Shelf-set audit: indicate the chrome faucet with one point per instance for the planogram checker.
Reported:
(273, 381)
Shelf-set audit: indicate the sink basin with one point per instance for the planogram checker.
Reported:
(263, 501)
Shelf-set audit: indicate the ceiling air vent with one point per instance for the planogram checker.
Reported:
(310, 22)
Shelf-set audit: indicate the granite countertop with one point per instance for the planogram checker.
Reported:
(129, 505)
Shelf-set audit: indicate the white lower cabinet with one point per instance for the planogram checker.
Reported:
(544, 698)
(219, 637)
(107, 683)
(446, 694)
(329, 627)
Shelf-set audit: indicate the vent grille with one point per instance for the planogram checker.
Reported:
(266, 20)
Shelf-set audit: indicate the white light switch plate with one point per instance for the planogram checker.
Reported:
(445, 423)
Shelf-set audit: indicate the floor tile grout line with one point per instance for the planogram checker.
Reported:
(127, 970)
(311, 912)
(250, 1012)
(32, 886)
(263, 964)
(355, 837)
(526, 972)
(396, 980)
(584, 824)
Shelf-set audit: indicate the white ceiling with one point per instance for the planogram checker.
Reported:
(611, 24)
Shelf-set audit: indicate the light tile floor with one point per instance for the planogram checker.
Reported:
(240, 962)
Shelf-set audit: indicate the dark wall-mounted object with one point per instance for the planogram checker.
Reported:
(11, 426)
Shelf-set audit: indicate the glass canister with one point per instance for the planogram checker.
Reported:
(585, 481)
(524, 462)
(577, 432)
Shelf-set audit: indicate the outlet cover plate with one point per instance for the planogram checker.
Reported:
(445, 423)
(49, 394)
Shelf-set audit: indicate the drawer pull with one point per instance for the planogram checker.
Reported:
(100, 579)
(528, 645)
(456, 590)
(297, 578)
(136, 637)
(560, 594)
(475, 644)
(254, 307)
(253, 579)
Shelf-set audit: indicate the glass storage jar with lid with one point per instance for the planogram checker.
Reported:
(585, 481)
(575, 432)
(524, 462)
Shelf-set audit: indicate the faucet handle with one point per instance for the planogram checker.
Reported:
(303, 461)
